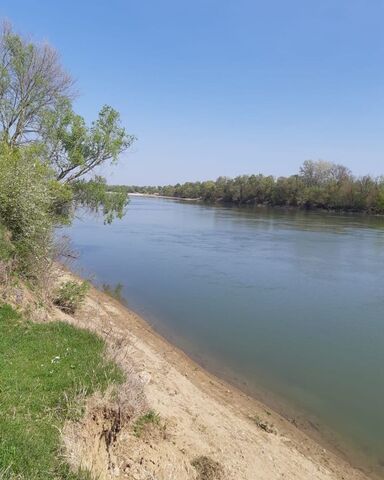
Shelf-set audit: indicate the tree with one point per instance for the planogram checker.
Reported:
(31, 82)
(36, 108)
(321, 172)
(73, 149)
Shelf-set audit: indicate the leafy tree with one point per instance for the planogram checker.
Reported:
(75, 150)
(318, 184)
(36, 108)
(321, 172)
(48, 155)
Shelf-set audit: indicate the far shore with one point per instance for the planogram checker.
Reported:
(362, 213)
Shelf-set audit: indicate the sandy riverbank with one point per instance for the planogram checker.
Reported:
(153, 195)
(204, 416)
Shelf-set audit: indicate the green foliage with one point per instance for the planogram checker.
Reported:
(35, 378)
(70, 295)
(36, 109)
(6, 246)
(149, 418)
(47, 152)
(32, 202)
(74, 149)
(95, 196)
(25, 202)
(318, 185)
(62, 202)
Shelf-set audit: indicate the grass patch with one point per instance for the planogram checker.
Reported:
(43, 367)
(70, 295)
(149, 418)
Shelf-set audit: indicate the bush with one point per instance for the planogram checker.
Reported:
(24, 206)
(71, 295)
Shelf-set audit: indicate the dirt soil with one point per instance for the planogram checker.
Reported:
(205, 429)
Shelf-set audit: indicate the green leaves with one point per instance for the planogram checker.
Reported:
(78, 150)
(32, 202)
(49, 156)
(70, 295)
(94, 195)
(74, 151)
(24, 203)
(36, 109)
(64, 138)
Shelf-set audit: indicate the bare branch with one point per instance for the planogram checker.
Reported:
(31, 82)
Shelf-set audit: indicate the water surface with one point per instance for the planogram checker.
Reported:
(289, 301)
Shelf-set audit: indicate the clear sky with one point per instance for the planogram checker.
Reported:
(224, 87)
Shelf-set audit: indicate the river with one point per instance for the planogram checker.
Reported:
(288, 302)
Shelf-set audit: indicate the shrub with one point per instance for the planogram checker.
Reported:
(24, 206)
(70, 295)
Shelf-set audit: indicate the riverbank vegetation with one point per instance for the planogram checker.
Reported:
(49, 157)
(48, 167)
(48, 154)
(319, 184)
(45, 370)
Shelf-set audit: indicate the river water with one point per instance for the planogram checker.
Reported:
(290, 302)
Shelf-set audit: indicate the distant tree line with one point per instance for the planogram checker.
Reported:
(318, 185)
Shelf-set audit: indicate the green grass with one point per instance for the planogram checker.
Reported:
(151, 417)
(42, 369)
(70, 295)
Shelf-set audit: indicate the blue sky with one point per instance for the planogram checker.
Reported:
(224, 87)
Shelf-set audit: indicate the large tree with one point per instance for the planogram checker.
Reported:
(36, 108)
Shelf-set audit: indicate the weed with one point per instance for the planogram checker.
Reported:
(149, 418)
(70, 295)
